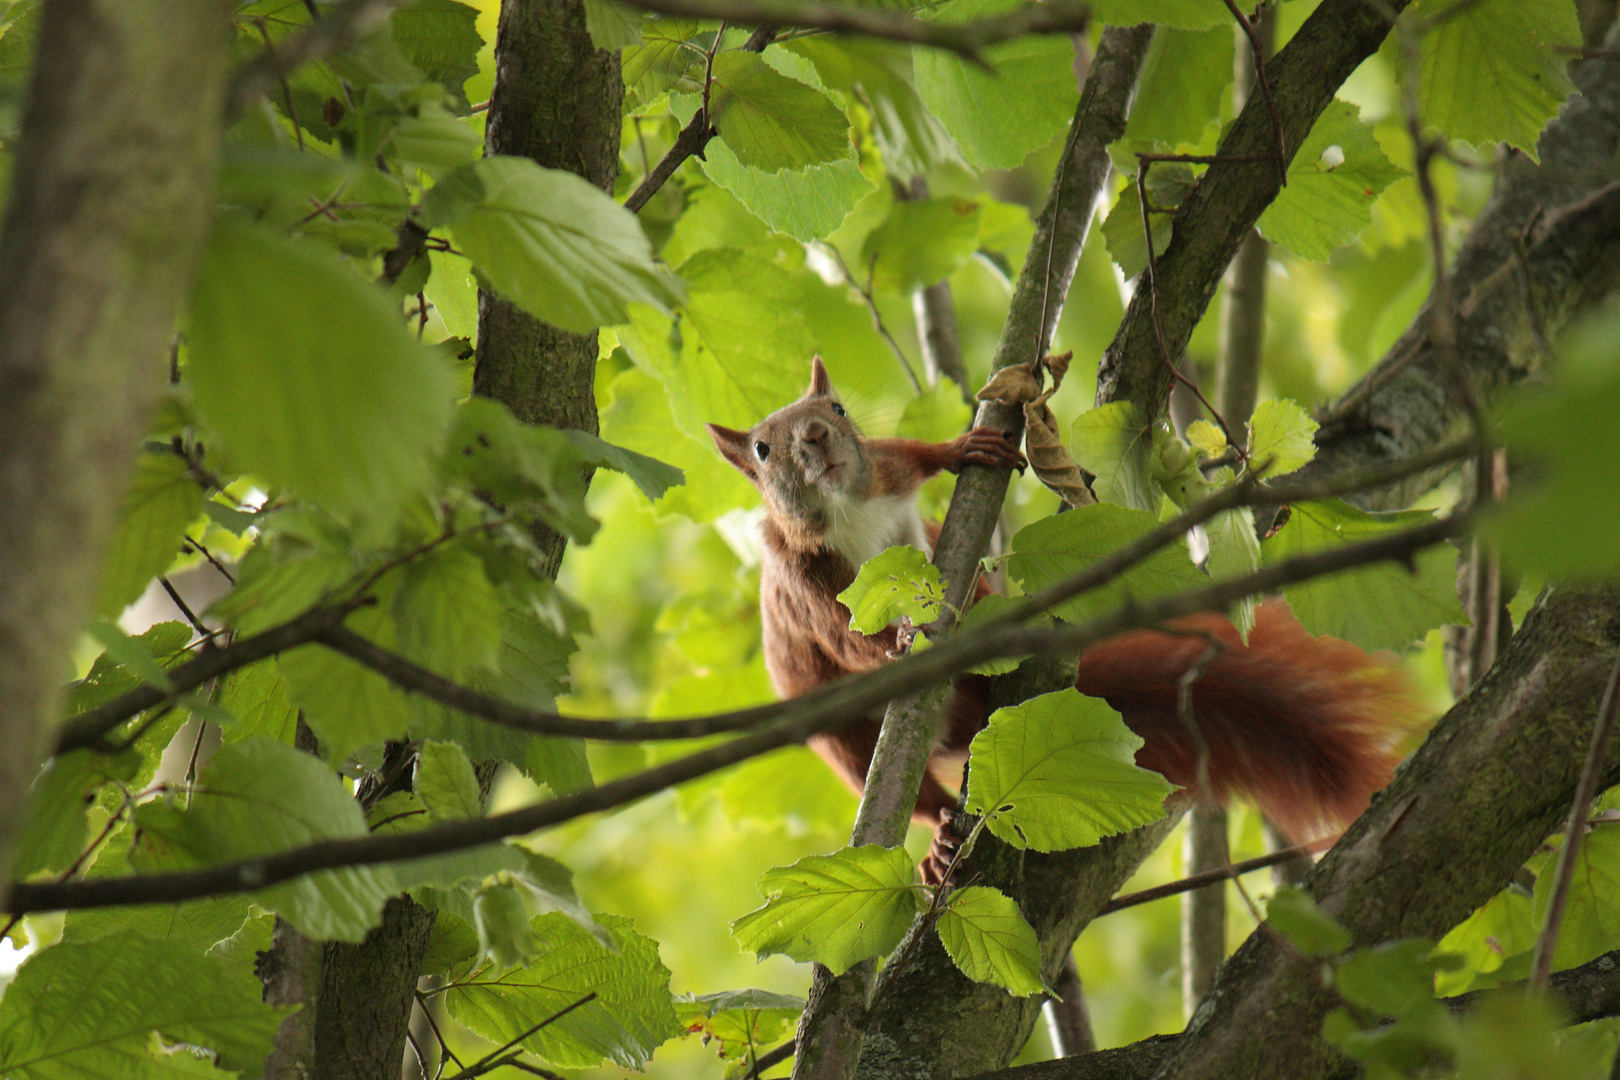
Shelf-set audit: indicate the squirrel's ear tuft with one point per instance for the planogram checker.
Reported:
(820, 384)
(733, 446)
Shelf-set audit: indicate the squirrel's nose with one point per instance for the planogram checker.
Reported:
(815, 433)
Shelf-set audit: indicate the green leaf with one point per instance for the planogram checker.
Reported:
(631, 1016)
(195, 926)
(833, 909)
(87, 1009)
(440, 38)
(526, 469)
(991, 941)
(447, 613)
(1283, 433)
(740, 348)
(162, 500)
(557, 246)
(742, 1021)
(662, 58)
(1381, 606)
(1056, 547)
(921, 242)
(635, 413)
(938, 414)
(446, 783)
(164, 644)
(879, 74)
(1502, 927)
(983, 609)
(1332, 183)
(504, 936)
(1295, 915)
(1183, 79)
(310, 377)
(257, 797)
(1112, 443)
(1495, 71)
(899, 582)
(1592, 911)
(997, 119)
(773, 122)
(132, 654)
(1393, 978)
(652, 476)
(275, 586)
(346, 705)
(1059, 772)
(1206, 438)
(612, 26)
(55, 831)
(436, 141)
(1168, 185)
(1564, 521)
(1234, 550)
(806, 204)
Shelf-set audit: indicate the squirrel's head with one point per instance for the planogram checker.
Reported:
(801, 457)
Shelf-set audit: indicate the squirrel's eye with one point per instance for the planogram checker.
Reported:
(839, 409)
(763, 449)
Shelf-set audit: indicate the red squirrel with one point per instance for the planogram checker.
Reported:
(1303, 726)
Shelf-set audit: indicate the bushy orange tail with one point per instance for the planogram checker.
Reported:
(1305, 727)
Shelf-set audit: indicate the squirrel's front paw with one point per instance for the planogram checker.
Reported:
(987, 446)
(904, 635)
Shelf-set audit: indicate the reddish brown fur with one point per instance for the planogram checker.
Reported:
(1306, 727)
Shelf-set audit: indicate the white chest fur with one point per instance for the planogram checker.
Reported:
(858, 530)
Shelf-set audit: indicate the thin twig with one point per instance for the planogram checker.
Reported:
(877, 316)
(830, 707)
(693, 137)
(1259, 55)
(88, 728)
(489, 1061)
(185, 609)
(1198, 881)
(770, 1059)
(1574, 832)
(1143, 160)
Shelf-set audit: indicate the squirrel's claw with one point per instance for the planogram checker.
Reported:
(987, 446)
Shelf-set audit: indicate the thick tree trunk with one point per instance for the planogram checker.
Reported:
(108, 208)
(557, 101)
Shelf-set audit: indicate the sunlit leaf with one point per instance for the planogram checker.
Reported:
(1057, 547)
(1380, 606)
(834, 909)
(1332, 183)
(991, 941)
(310, 377)
(105, 997)
(163, 499)
(900, 582)
(1059, 772)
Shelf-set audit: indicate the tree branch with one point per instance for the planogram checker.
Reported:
(1509, 301)
(829, 1036)
(692, 139)
(1229, 198)
(838, 703)
(967, 39)
(107, 210)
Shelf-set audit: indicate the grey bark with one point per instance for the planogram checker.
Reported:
(367, 990)
(1408, 402)
(556, 100)
(291, 972)
(109, 203)
(829, 1037)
